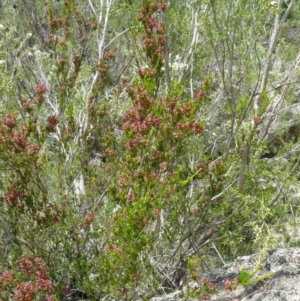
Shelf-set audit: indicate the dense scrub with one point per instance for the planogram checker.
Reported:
(136, 149)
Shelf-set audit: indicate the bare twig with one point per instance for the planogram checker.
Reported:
(258, 99)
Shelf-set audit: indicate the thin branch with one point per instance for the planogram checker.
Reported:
(258, 99)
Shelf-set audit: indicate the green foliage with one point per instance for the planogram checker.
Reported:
(247, 278)
(122, 142)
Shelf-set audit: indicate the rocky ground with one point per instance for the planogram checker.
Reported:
(278, 279)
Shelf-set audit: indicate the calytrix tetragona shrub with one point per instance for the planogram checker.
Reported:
(29, 282)
(155, 131)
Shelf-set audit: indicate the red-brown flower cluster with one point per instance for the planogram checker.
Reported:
(10, 121)
(26, 106)
(230, 285)
(12, 197)
(87, 221)
(37, 269)
(146, 72)
(40, 89)
(153, 37)
(16, 141)
(6, 280)
(52, 122)
(201, 94)
(130, 197)
(31, 148)
(156, 212)
(39, 283)
(194, 126)
(19, 139)
(47, 215)
(257, 120)
(136, 142)
(56, 23)
(139, 120)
